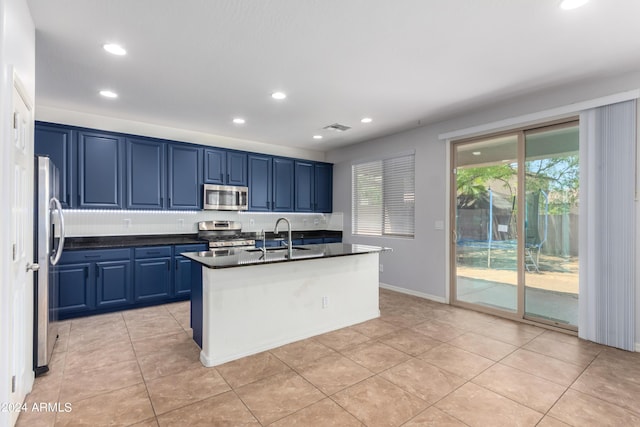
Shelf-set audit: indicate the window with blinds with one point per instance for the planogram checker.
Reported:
(383, 197)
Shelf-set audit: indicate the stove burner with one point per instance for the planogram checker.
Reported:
(225, 234)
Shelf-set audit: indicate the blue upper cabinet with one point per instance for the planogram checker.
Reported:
(323, 187)
(57, 142)
(146, 174)
(215, 166)
(304, 186)
(314, 186)
(283, 173)
(185, 177)
(225, 167)
(100, 170)
(260, 182)
(236, 168)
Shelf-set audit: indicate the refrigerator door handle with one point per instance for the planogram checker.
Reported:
(57, 253)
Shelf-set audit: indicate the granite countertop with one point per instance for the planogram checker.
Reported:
(106, 242)
(238, 257)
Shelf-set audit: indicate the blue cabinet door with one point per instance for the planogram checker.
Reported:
(184, 279)
(57, 143)
(260, 182)
(185, 177)
(215, 166)
(76, 289)
(100, 170)
(304, 186)
(152, 279)
(236, 168)
(146, 174)
(113, 284)
(332, 240)
(323, 187)
(283, 171)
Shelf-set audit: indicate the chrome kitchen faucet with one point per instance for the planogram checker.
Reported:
(289, 244)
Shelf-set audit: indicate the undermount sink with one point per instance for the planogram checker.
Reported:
(278, 249)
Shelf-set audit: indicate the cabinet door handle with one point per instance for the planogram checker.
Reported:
(153, 253)
(221, 177)
(97, 271)
(227, 177)
(86, 272)
(92, 256)
(161, 201)
(177, 264)
(168, 266)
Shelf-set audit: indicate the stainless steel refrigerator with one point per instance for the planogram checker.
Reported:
(48, 245)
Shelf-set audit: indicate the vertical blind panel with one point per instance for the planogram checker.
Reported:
(611, 279)
(383, 194)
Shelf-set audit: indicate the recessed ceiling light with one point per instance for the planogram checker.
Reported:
(366, 120)
(108, 94)
(317, 136)
(239, 121)
(115, 49)
(476, 153)
(572, 4)
(278, 95)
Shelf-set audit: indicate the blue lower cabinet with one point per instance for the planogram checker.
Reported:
(153, 279)
(183, 276)
(95, 281)
(332, 240)
(313, 241)
(113, 284)
(75, 293)
(91, 280)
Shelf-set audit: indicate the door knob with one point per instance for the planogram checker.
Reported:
(33, 267)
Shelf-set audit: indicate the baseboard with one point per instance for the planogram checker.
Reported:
(414, 293)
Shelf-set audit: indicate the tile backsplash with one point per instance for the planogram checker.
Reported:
(83, 223)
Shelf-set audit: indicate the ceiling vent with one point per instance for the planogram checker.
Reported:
(337, 127)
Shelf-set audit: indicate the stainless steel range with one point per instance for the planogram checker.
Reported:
(225, 234)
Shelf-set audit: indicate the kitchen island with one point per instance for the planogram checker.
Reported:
(253, 300)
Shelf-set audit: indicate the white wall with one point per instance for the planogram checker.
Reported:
(17, 53)
(76, 118)
(419, 266)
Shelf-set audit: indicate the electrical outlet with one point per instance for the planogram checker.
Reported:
(316, 221)
(325, 302)
(380, 268)
(252, 221)
(181, 223)
(127, 222)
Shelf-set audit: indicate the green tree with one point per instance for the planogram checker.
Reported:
(472, 183)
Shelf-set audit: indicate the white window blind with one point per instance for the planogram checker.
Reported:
(383, 197)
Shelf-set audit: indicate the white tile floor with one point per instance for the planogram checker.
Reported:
(421, 363)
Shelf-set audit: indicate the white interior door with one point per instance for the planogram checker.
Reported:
(21, 292)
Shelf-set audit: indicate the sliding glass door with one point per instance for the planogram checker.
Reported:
(514, 224)
(486, 182)
(551, 224)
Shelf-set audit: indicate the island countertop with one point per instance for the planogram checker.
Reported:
(243, 257)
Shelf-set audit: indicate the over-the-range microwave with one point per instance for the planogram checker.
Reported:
(225, 198)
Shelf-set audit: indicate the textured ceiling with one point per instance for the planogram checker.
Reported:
(196, 64)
